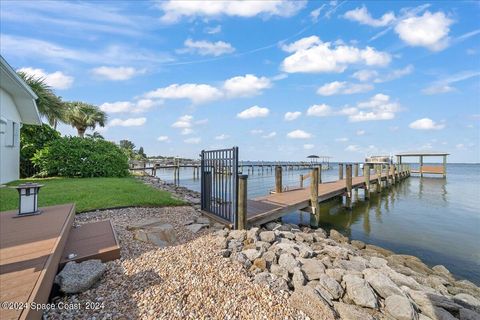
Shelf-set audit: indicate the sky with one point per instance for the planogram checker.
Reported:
(279, 79)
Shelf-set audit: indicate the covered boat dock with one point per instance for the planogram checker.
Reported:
(426, 169)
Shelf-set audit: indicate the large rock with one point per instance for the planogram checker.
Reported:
(377, 262)
(270, 258)
(380, 250)
(351, 312)
(331, 285)
(337, 236)
(238, 235)
(312, 268)
(467, 301)
(304, 237)
(252, 254)
(271, 226)
(381, 283)
(79, 277)
(358, 244)
(400, 279)
(336, 273)
(466, 314)
(309, 301)
(427, 301)
(267, 236)
(298, 278)
(288, 262)
(360, 292)
(400, 308)
(279, 271)
(195, 227)
(280, 248)
(160, 234)
(252, 234)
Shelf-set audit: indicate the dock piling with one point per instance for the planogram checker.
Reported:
(340, 171)
(301, 181)
(278, 179)
(366, 174)
(315, 205)
(355, 170)
(242, 202)
(348, 180)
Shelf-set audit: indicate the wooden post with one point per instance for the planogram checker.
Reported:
(242, 202)
(444, 166)
(366, 174)
(301, 181)
(315, 205)
(320, 174)
(278, 179)
(175, 175)
(178, 174)
(348, 179)
(389, 175)
(355, 170)
(379, 177)
(340, 171)
(421, 165)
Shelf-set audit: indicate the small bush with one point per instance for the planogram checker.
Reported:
(32, 139)
(81, 157)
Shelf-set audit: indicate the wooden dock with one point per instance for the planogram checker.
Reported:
(277, 204)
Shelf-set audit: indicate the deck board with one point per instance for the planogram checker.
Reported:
(30, 249)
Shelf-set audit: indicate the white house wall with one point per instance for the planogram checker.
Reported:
(9, 155)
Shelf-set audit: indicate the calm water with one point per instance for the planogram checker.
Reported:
(435, 219)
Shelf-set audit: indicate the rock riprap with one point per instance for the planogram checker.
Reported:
(329, 277)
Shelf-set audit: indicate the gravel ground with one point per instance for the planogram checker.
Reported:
(187, 281)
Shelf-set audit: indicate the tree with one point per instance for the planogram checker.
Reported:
(48, 103)
(82, 116)
(141, 153)
(95, 135)
(128, 147)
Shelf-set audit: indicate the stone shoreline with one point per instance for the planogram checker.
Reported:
(279, 271)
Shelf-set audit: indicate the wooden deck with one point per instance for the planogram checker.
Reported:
(30, 250)
(95, 240)
(267, 208)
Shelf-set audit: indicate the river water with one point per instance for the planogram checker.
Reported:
(433, 218)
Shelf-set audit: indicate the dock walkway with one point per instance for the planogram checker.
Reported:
(273, 206)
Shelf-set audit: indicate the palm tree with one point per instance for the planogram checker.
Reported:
(96, 135)
(82, 116)
(48, 103)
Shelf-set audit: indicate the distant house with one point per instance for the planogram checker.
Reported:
(17, 106)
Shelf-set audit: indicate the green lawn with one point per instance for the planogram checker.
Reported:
(91, 193)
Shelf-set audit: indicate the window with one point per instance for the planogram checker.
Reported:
(12, 134)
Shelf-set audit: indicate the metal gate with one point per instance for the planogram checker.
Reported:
(219, 183)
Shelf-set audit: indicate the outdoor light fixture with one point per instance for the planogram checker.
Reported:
(28, 199)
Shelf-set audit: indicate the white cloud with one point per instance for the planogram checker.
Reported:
(290, 116)
(213, 30)
(56, 80)
(128, 106)
(57, 54)
(269, 135)
(173, 11)
(186, 131)
(116, 73)
(379, 107)
(207, 48)
(344, 139)
(362, 16)
(256, 131)
(337, 87)
(460, 146)
(222, 137)
(197, 93)
(163, 139)
(183, 122)
(245, 86)
(360, 132)
(192, 140)
(365, 75)
(426, 124)
(319, 110)
(429, 30)
(444, 85)
(132, 122)
(308, 146)
(253, 112)
(311, 55)
(299, 134)
(352, 148)
(395, 74)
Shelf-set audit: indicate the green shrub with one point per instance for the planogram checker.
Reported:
(81, 157)
(32, 139)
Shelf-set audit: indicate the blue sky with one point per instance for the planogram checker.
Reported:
(279, 79)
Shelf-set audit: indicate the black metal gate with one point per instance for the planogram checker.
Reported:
(219, 183)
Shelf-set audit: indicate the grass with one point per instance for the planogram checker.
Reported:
(91, 193)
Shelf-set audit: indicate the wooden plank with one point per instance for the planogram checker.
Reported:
(30, 249)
